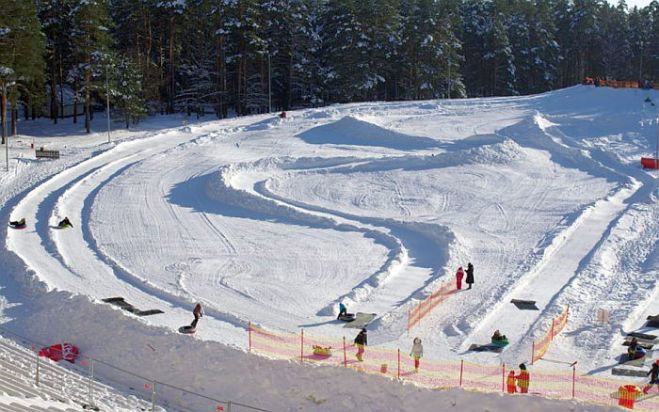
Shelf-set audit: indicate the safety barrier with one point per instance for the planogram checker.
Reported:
(85, 382)
(540, 347)
(423, 308)
(397, 364)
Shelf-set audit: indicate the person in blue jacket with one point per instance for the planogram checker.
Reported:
(342, 310)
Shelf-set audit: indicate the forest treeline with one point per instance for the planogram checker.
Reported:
(246, 56)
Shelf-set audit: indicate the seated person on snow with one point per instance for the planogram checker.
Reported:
(20, 222)
(638, 354)
(65, 222)
(498, 337)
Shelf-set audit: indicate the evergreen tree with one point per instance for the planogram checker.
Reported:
(21, 57)
(91, 40)
(127, 91)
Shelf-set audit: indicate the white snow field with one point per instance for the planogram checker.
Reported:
(275, 221)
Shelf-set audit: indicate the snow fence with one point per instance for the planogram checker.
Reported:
(438, 374)
(541, 346)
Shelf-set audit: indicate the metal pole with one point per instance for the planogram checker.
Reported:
(249, 326)
(107, 99)
(574, 379)
(229, 406)
(153, 397)
(91, 377)
(269, 86)
(37, 377)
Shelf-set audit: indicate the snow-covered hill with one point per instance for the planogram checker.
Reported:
(275, 221)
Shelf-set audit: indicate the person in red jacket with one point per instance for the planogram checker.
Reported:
(510, 382)
(458, 277)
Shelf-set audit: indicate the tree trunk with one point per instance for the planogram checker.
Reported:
(172, 83)
(3, 111)
(61, 89)
(54, 112)
(88, 126)
(75, 101)
(14, 119)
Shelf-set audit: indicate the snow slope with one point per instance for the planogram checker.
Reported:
(275, 221)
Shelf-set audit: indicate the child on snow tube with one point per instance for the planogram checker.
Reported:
(17, 223)
(498, 339)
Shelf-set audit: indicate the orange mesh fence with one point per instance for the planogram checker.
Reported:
(432, 373)
(423, 308)
(557, 324)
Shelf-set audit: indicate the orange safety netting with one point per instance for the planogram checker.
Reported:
(423, 308)
(432, 373)
(541, 346)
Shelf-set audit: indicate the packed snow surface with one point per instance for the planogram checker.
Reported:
(275, 221)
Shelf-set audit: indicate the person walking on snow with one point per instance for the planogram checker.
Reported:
(523, 379)
(360, 343)
(654, 377)
(470, 274)
(342, 310)
(416, 352)
(510, 382)
(458, 277)
(198, 313)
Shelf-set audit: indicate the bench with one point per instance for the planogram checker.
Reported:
(48, 154)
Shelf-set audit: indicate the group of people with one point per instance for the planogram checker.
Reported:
(521, 380)
(461, 273)
(21, 223)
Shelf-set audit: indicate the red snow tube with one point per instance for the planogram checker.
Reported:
(56, 353)
(650, 163)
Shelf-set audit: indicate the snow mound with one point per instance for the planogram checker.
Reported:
(353, 131)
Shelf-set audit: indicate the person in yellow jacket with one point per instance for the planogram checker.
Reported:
(523, 379)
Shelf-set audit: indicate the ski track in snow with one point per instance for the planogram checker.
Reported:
(415, 247)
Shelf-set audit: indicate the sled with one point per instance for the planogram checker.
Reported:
(500, 343)
(638, 398)
(524, 304)
(361, 320)
(23, 226)
(624, 360)
(653, 321)
(629, 372)
(642, 336)
(348, 317)
(187, 329)
(64, 226)
(324, 351)
(486, 348)
(119, 301)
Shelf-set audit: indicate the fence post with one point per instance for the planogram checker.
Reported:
(553, 321)
(532, 351)
(153, 396)
(37, 375)
(574, 380)
(345, 357)
(301, 345)
(229, 406)
(503, 377)
(398, 363)
(462, 366)
(89, 381)
(249, 333)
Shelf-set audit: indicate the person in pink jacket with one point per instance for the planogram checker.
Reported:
(458, 277)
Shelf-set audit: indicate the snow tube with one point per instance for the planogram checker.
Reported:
(348, 317)
(500, 342)
(23, 226)
(56, 353)
(322, 351)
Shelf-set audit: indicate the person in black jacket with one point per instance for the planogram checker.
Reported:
(654, 377)
(360, 342)
(470, 274)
